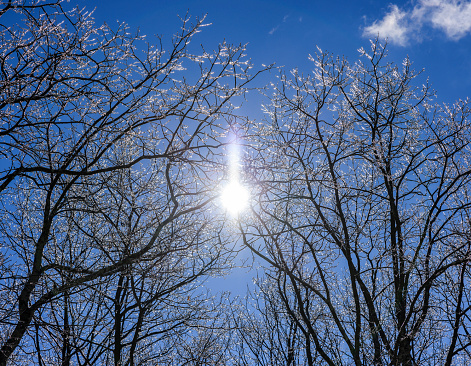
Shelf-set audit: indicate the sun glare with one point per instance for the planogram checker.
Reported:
(235, 198)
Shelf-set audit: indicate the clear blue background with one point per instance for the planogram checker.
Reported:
(335, 26)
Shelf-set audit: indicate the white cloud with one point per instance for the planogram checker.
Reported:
(393, 26)
(453, 17)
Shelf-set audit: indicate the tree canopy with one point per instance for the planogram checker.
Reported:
(114, 155)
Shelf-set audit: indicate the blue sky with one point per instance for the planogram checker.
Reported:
(436, 34)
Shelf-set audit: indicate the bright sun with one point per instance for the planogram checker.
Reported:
(235, 198)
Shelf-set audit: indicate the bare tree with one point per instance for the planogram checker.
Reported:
(140, 314)
(267, 335)
(88, 115)
(363, 212)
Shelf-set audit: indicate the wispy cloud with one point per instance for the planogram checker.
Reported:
(274, 29)
(400, 26)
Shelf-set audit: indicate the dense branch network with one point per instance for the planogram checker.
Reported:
(112, 152)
